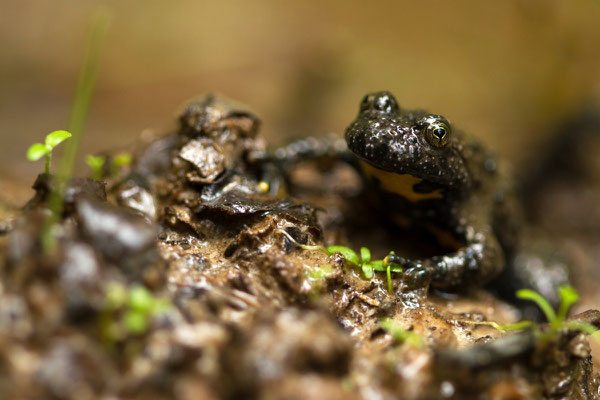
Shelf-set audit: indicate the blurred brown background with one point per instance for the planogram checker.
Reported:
(505, 70)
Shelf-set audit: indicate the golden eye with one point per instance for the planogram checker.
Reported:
(437, 133)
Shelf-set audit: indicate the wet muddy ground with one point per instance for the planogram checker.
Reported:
(184, 277)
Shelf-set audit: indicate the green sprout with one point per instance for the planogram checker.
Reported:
(95, 163)
(86, 84)
(317, 277)
(365, 263)
(118, 161)
(557, 320)
(320, 273)
(39, 150)
(129, 310)
(400, 334)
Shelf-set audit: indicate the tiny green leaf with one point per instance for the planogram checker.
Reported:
(400, 334)
(596, 336)
(568, 296)
(37, 151)
(320, 272)
(122, 159)
(527, 294)
(348, 253)
(55, 138)
(95, 163)
(140, 299)
(135, 322)
(582, 327)
(378, 265)
(365, 255)
(118, 161)
(367, 270)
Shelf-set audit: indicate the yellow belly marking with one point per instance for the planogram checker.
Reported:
(401, 184)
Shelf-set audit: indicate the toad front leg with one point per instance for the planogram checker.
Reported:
(480, 260)
(276, 165)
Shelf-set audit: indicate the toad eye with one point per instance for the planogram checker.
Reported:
(386, 103)
(437, 133)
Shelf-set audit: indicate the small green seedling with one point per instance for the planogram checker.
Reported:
(320, 273)
(86, 84)
(557, 320)
(39, 150)
(129, 310)
(367, 265)
(96, 163)
(317, 276)
(400, 334)
(118, 161)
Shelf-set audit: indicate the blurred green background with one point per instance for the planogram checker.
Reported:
(505, 70)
